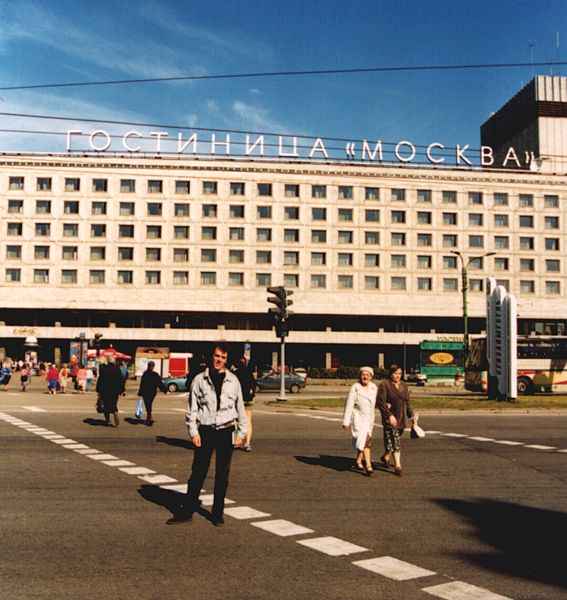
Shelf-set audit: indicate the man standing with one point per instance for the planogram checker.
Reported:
(109, 387)
(215, 415)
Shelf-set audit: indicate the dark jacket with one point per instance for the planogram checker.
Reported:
(149, 384)
(394, 401)
(109, 383)
(247, 383)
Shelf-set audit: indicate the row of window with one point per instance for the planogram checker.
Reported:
(290, 190)
(236, 279)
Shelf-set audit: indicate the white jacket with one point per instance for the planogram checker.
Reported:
(359, 412)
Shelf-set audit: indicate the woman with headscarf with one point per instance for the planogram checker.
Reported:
(359, 417)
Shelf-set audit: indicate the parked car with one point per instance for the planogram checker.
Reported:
(293, 383)
(301, 372)
(175, 384)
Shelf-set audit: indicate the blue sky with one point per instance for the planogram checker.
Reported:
(61, 40)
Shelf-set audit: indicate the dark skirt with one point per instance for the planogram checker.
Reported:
(110, 404)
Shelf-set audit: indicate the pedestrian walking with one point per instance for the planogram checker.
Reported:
(124, 373)
(217, 422)
(25, 376)
(248, 386)
(394, 405)
(52, 377)
(109, 388)
(149, 385)
(82, 379)
(5, 375)
(359, 418)
(89, 379)
(64, 378)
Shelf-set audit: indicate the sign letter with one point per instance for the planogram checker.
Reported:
(158, 135)
(71, 132)
(411, 155)
(125, 141)
(486, 156)
(214, 143)
(181, 145)
(259, 142)
(461, 155)
(107, 142)
(372, 153)
(430, 158)
(281, 151)
(318, 146)
(511, 155)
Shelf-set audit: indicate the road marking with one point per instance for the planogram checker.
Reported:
(455, 435)
(539, 447)
(478, 438)
(431, 432)
(282, 527)
(52, 436)
(459, 590)
(508, 443)
(74, 446)
(392, 568)
(34, 408)
(332, 546)
(63, 441)
(118, 463)
(103, 457)
(208, 500)
(136, 471)
(157, 479)
(178, 487)
(562, 451)
(245, 512)
(88, 451)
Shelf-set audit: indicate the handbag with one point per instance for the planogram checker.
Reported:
(139, 408)
(416, 431)
(99, 405)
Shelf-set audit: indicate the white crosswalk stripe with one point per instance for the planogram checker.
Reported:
(458, 590)
(245, 512)
(34, 409)
(103, 456)
(157, 479)
(208, 499)
(282, 527)
(332, 546)
(392, 568)
(118, 463)
(136, 470)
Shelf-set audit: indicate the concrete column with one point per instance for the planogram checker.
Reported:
(328, 360)
(57, 355)
(381, 360)
(275, 359)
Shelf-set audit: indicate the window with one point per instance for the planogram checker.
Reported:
(263, 279)
(153, 254)
(68, 276)
(527, 243)
(181, 209)
(291, 280)
(125, 277)
(41, 252)
(127, 209)
(449, 262)
(210, 188)
(98, 253)
(501, 264)
(550, 201)
(345, 282)
(500, 199)
(236, 234)
(180, 277)
(372, 215)
(70, 253)
(126, 231)
(153, 277)
(237, 188)
(345, 237)
(424, 261)
(345, 192)
(424, 239)
(398, 283)
(43, 184)
(72, 184)
(501, 242)
(210, 211)
(235, 256)
(208, 233)
(449, 218)
(476, 220)
(552, 244)
(423, 218)
(344, 259)
(125, 253)
(291, 235)
(449, 241)
(291, 190)
(16, 183)
(371, 238)
(501, 221)
(182, 187)
(476, 263)
(96, 277)
(208, 255)
(526, 221)
(291, 213)
(98, 230)
(552, 266)
(476, 285)
(527, 286)
(153, 232)
(154, 209)
(71, 207)
(424, 196)
(264, 212)
(551, 222)
(371, 193)
(208, 278)
(236, 279)
(318, 191)
(371, 260)
(552, 288)
(43, 207)
(13, 275)
(70, 230)
(15, 206)
(371, 282)
(180, 255)
(398, 239)
(42, 229)
(424, 284)
(181, 232)
(525, 201)
(318, 281)
(398, 195)
(264, 189)
(449, 197)
(450, 284)
(345, 215)
(236, 211)
(475, 198)
(527, 264)
(263, 257)
(318, 214)
(398, 261)
(398, 216)
(13, 252)
(127, 186)
(98, 208)
(476, 241)
(100, 185)
(41, 275)
(291, 259)
(505, 283)
(263, 234)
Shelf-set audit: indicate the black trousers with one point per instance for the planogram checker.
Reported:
(148, 402)
(220, 441)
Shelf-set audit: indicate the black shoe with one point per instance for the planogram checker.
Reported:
(218, 521)
(179, 518)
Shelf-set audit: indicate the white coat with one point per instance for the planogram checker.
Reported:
(359, 413)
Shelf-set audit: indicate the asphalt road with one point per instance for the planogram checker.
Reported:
(470, 512)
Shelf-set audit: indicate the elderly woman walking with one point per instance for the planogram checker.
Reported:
(394, 404)
(359, 417)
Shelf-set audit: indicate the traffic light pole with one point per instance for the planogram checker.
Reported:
(281, 397)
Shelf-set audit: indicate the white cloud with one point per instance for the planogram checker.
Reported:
(256, 118)
(212, 107)
(255, 91)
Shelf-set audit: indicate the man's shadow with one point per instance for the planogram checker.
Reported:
(178, 442)
(170, 499)
(135, 421)
(94, 422)
(336, 463)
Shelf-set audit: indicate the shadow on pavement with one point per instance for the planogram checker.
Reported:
(169, 499)
(135, 421)
(95, 422)
(528, 542)
(179, 442)
(337, 463)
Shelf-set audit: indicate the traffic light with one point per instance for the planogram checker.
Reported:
(280, 297)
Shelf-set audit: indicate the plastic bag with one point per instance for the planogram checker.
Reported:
(416, 431)
(139, 408)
